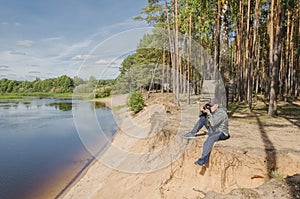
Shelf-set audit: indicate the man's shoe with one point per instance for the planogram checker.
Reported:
(200, 162)
(189, 135)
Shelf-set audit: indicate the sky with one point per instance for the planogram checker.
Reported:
(47, 39)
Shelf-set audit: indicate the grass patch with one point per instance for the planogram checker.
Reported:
(277, 175)
(289, 109)
(10, 97)
(35, 94)
(237, 107)
(261, 109)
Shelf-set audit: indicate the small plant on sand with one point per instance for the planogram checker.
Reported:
(276, 174)
(136, 101)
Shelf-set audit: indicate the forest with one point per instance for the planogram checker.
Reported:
(253, 44)
(62, 84)
(59, 85)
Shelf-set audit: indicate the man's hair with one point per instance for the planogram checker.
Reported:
(212, 102)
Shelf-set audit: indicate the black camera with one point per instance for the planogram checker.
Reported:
(205, 107)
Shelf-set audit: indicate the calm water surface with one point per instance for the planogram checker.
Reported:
(39, 141)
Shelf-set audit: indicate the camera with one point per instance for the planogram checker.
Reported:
(205, 107)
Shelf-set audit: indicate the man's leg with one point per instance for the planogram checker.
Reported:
(207, 147)
(200, 123)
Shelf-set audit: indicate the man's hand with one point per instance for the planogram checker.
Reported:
(207, 111)
(214, 107)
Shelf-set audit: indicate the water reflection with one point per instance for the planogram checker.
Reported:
(8, 104)
(26, 102)
(95, 128)
(97, 105)
(63, 106)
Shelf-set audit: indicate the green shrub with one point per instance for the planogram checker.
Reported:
(136, 101)
(277, 175)
(103, 92)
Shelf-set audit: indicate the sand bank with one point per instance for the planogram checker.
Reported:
(151, 139)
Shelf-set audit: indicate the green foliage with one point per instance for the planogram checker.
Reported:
(62, 84)
(277, 175)
(10, 96)
(136, 101)
(65, 83)
(55, 86)
(35, 94)
(144, 66)
(103, 91)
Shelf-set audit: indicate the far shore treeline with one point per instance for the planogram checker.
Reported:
(59, 86)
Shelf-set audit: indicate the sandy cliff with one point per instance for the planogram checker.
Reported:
(148, 158)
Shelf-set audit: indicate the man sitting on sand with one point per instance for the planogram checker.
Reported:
(215, 119)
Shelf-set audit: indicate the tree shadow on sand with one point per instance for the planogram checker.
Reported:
(292, 181)
(291, 113)
(269, 148)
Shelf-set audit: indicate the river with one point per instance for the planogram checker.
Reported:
(41, 151)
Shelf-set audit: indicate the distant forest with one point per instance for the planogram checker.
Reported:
(62, 84)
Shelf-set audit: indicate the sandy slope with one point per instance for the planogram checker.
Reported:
(149, 159)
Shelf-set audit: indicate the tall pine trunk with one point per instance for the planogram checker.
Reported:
(272, 95)
(217, 39)
(277, 20)
(189, 61)
(248, 59)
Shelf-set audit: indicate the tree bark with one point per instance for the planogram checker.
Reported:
(217, 39)
(275, 52)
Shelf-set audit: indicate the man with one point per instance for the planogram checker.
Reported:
(215, 119)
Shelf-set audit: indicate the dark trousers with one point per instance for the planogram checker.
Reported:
(213, 136)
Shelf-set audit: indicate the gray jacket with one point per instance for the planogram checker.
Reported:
(219, 120)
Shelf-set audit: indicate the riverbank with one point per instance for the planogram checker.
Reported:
(118, 105)
(114, 102)
(260, 148)
(35, 95)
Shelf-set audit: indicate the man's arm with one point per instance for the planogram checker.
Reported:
(217, 118)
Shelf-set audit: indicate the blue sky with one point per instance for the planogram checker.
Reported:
(46, 39)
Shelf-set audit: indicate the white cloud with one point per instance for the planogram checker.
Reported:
(26, 43)
(16, 53)
(80, 57)
(54, 56)
(34, 72)
(116, 28)
(52, 38)
(17, 24)
(11, 75)
(68, 50)
(4, 66)
(103, 62)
